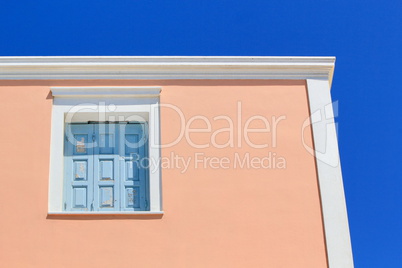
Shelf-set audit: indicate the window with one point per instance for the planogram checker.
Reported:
(105, 151)
(106, 167)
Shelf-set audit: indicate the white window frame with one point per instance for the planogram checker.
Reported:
(98, 104)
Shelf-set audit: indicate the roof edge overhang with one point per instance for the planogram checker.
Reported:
(166, 67)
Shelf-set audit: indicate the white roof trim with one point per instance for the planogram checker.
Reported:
(174, 67)
(330, 182)
(123, 92)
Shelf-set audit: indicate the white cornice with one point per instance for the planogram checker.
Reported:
(167, 67)
(122, 92)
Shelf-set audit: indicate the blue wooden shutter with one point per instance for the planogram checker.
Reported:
(78, 170)
(134, 190)
(106, 168)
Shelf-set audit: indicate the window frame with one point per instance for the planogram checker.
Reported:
(80, 104)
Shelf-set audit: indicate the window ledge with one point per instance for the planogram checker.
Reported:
(84, 215)
(107, 213)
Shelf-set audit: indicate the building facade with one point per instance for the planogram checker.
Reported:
(170, 162)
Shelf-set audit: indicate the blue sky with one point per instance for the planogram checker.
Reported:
(365, 36)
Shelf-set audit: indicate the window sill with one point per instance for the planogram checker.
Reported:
(83, 215)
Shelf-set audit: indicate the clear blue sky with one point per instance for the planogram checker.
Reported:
(365, 36)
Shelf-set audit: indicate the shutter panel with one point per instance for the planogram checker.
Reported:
(106, 168)
(78, 171)
(134, 190)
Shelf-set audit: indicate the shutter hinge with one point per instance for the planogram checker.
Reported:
(146, 204)
(65, 205)
(92, 206)
(93, 137)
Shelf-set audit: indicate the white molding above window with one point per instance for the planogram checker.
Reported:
(122, 92)
(83, 104)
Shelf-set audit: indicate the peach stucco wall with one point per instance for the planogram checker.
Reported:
(267, 217)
